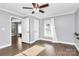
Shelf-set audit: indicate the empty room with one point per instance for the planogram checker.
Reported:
(39, 29)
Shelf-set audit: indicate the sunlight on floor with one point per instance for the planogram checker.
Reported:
(19, 43)
(50, 50)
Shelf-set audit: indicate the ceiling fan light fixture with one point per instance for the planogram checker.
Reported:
(37, 9)
(34, 9)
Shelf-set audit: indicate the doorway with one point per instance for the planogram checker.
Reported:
(16, 32)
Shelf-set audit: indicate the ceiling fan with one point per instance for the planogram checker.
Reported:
(36, 7)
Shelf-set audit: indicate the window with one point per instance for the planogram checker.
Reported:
(49, 28)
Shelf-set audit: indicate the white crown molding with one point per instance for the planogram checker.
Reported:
(11, 12)
(61, 14)
(66, 13)
(76, 10)
(30, 15)
(24, 16)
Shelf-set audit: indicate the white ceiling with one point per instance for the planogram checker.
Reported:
(54, 9)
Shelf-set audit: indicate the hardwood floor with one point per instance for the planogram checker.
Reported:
(51, 49)
(57, 49)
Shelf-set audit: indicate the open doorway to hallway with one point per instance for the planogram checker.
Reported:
(16, 30)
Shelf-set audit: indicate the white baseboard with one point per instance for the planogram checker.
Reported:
(31, 42)
(4, 46)
(58, 41)
(25, 42)
(64, 42)
(46, 39)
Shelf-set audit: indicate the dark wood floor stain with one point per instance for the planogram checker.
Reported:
(51, 49)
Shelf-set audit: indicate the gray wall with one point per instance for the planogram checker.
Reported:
(5, 28)
(4, 23)
(65, 28)
(77, 21)
(41, 28)
(77, 28)
(31, 29)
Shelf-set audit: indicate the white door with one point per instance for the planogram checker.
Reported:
(36, 30)
(25, 30)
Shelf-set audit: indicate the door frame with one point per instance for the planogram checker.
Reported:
(11, 27)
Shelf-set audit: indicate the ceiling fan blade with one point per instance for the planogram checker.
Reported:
(33, 12)
(41, 11)
(43, 6)
(37, 5)
(27, 7)
(34, 5)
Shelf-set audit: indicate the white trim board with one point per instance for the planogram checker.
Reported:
(76, 47)
(59, 42)
(4, 46)
(64, 42)
(23, 16)
(30, 42)
(11, 12)
(56, 42)
(46, 39)
(33, 41)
